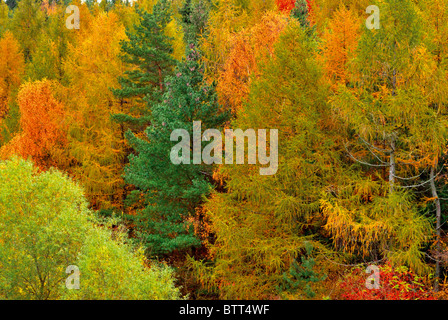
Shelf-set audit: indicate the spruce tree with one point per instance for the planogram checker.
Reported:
(149, 51)
(173, 192)
(301, 275)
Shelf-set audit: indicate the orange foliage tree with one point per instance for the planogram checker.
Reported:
(43, 134)
(250, 47)
(322, 11)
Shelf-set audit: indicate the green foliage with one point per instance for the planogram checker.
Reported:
(111, 271)
(51, 50)
(262, 222)
(300, 12)
(149, 51)
(27, 24)
(11, 4)
(300, 276)
(172, 192)
(194, 19)
(3, 17)
(361, 116)
(393, 132)
(45, 226)
(10, 125)
(44, 221)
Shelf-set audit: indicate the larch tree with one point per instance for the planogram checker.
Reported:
(435, 17)
(226, 19)
(96, 142)
(27, 24)
(262, 224)
(339, 44)
(393, 134)
(322, 11)
(4, 19)
(249, 48)
(11, 70)
(47, 59)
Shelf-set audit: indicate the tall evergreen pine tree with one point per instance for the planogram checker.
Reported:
(149, 50)
(173, 192)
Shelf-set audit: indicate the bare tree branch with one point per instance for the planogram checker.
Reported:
(362, 162)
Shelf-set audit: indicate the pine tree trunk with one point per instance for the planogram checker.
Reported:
(160, 79)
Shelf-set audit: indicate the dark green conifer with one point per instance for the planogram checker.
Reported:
(173, 192)
(149, 50)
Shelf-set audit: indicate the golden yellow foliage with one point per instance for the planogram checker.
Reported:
(11, 69)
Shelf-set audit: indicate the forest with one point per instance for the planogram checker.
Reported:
(110, 191)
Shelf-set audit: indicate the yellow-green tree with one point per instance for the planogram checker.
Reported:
(262, 224)
(47, 59)
(323, 11)
(27, 24)
(11, 70)
(3, 17)
(394, 133)
(46, 226)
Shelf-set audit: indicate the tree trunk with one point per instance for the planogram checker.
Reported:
(438, 215)
(392, 163)
(160, 79)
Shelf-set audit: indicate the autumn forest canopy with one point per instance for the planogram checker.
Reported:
(355, 115)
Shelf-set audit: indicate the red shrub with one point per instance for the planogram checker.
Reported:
(395, 284)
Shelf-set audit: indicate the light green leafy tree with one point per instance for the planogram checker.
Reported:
(45, 226)
(110, 270)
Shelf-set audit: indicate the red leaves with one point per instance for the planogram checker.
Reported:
(396, 283)
(285, 5)
(288, 5)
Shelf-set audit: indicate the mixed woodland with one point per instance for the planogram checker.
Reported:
(86, 177)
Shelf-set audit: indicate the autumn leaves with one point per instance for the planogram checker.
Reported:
(360, 114)
(43, 136)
